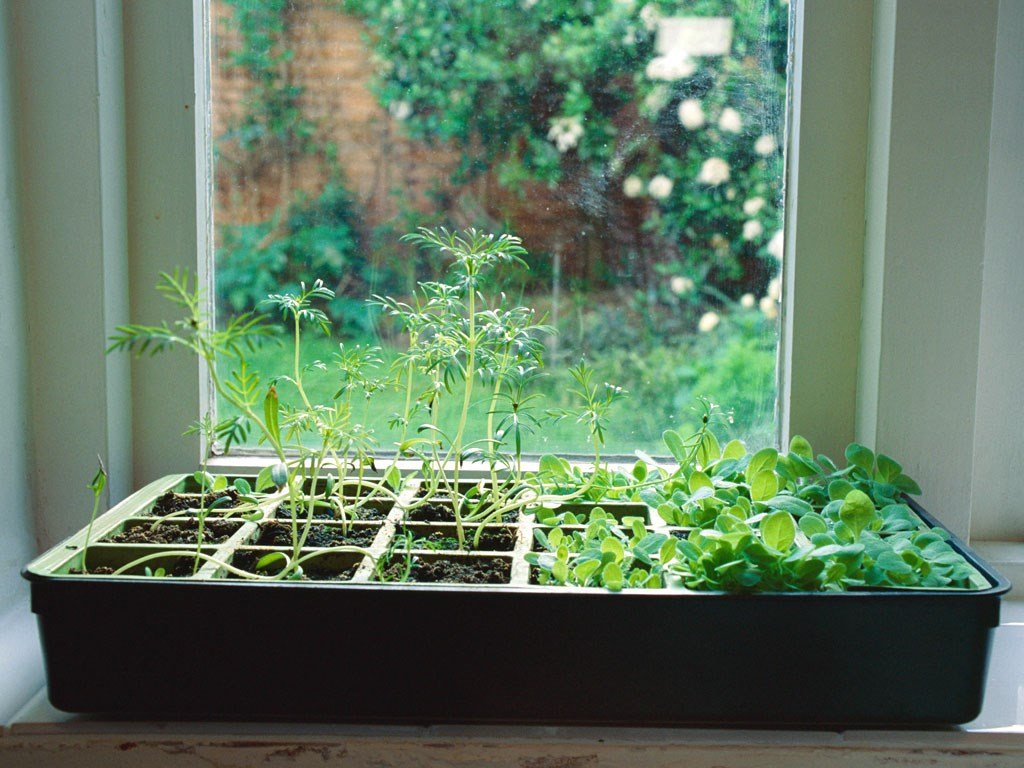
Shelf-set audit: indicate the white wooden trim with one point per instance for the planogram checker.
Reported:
(824, 222)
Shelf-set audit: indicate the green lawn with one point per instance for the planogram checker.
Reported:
(662, 382)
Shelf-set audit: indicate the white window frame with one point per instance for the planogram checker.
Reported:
(841, 369)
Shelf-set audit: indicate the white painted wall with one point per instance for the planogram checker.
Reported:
(919, 367)
(997, 493)
(20, 664)
(68, 103)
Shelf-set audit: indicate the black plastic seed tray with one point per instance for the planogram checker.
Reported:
(211, 647)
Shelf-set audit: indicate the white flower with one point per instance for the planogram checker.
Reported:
(565, 132)
(659, 187)
(680, 285)
(400, 110)
(633, 186)
(671, 66)
(730, 121)
(630, 37)
(649, 15)
(752, 229)
(747, 300)
(691, 115)
(776, 246)
(768, 307)
(528, 4)
(708, 321)
(730, 194)
(657, 98)
(714, 171)
(752, 205)
(765, 145)
(775, 289)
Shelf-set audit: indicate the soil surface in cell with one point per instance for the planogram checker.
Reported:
(246, 560)
(491, 540)
(441, 512)
(177, 502)
(182, 566)
(443, 571)
(279, 534)
(186, 532)
(371, 512)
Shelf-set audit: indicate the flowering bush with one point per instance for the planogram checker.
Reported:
(668, 112)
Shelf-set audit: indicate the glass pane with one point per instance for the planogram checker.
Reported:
(635, 148)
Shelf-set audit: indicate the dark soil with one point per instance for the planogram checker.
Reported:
(371, 512)
(279, 534)
(247, 559)
(441, 512)
(461, 571)
(491, 540)
(176, 502)
(214, 532)
(103, 570)
(182, 567)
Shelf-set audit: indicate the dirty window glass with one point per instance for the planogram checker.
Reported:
(636, 148)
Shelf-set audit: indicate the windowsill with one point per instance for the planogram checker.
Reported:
(41, 735)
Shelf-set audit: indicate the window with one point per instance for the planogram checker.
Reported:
(637, 149)
(821, 317)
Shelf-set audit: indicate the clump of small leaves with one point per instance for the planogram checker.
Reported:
(603, 553)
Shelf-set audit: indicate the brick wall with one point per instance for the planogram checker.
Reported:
(332, 65)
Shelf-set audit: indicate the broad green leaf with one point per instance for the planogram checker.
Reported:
(204, 480)
(765, 459)
(801, 466)
(614, 547)
(264, 479)
(893, 563)
(393, 477)
(269, 559)
(689, 550)
(560, 571)
(888, 469)
(778, 530)
(675, 445)
(801, 447)
(709, 450)
(858, 511)
(907, 485)
(667, 552)
(813, 523)
(271, 411)
(860, 456)
(838, 489)
(552, 468)
(220, 482)
(585, 570)
(242, 486)
(734, 449)
(640, 471)
(612, 577)
(764, 485)
(700, 480)
(809, 569)
(748, 578)
(670, 513)
(704, 492)
(793, 505)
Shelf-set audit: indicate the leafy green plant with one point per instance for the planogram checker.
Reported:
(605, 552)
(96, 486)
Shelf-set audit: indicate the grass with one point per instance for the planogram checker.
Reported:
(663, 381)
